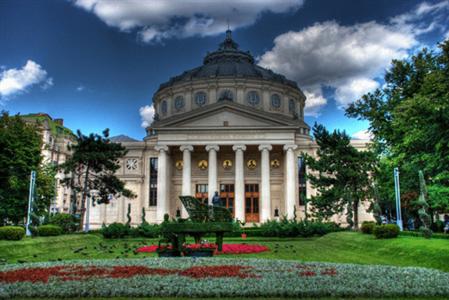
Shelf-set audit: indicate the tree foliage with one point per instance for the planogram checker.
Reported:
(409, 118)
(91, 169)
(340, 173)
(20, 153)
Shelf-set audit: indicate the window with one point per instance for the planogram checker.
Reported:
(200, 98)
(253, 98)
(275, 101)
(291, 106)
(226, 95)
(164, 107)
(302, 180)
(153, 181)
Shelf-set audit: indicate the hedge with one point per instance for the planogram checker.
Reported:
(217, 277)
(368, 227)
(13, 233)
(419, 234)
(49, 230)
(387, 231)
(69, 223)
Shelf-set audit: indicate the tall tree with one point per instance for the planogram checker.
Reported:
(92, 167)
(20, 153)
(341, 174)
(409, 117)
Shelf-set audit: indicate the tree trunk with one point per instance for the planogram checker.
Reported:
(83, 200)
(355, 208)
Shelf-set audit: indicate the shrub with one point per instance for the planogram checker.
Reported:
(115, 231)
(426, 232)
(148, 230)
(12, 233)
(292, 228)
(438, 226)
(49, 230)
(387, 231)
(69, 223)
(368, 227)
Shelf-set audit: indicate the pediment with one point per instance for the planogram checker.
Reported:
(227, 115)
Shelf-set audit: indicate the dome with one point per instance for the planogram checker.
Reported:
(229, 61)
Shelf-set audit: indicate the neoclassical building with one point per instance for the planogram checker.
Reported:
(227, 126)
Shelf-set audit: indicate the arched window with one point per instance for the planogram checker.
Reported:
(275, 101)
(179, 102)
(200, 98)
(164, 107)
(253, 98)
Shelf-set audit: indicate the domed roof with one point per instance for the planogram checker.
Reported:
(229, 61)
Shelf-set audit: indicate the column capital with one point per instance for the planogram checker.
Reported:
(161, 148)
(290, 147)
(239, 147)
(265, 147)
(212, 147)
(186, 148)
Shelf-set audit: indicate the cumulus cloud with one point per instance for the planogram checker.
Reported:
(16, 81)
(363, 135)
(156, 20)
(346, 58)
(146, 115)
(349, 59)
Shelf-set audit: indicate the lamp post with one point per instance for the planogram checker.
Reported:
(398, 199)
(30, 201)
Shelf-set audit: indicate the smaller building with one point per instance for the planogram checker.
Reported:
(56, 140)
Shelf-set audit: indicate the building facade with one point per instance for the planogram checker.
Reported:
(56, 140)
(227, 126)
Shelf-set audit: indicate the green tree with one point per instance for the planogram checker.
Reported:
(92, 167)
(341, 175)
(409, 118)
(20, 153)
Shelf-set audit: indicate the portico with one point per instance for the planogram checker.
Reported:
(242, 179)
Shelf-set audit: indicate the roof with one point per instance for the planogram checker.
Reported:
(122, 139)
(229, 61)
(54, 125)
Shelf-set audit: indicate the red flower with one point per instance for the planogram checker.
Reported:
(227, 248)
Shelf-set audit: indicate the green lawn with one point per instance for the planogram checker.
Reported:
(341, 247)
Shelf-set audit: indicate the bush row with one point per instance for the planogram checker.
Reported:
(119, 230)
(387, 231)
(12, 233)
(293, 228)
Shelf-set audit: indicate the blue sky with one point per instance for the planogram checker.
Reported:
(97, 63)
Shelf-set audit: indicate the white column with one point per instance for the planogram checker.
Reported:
(290, 184)
(239, 186)
(265, 211)
(162, 186)
(186, 174)
(213, 178)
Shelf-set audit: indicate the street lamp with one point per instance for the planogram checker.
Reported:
(398, 199)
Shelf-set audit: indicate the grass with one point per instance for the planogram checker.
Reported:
(340, 247)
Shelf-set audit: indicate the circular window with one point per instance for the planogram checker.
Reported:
(226, 95)
(291, 106)
(253, 98)
(179, 102)
(164, 107)
(200, 98)
(275, 101)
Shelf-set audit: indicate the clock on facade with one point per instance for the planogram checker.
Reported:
(253, 98)
(200, 98)
(275, 101)
(179, 103)
(131, 164)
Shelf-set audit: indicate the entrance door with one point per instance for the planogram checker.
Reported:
(227, 196)
(202, 193)
(252, 203)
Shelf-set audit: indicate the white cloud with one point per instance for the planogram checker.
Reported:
(363, 135)
(146, 115)
(353, 89)
(315, 100)
(156, 20)
(80, 88)
(346, 58)
(15, 81)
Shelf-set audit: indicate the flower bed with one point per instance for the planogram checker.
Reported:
(227, 248)
(216, 277)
